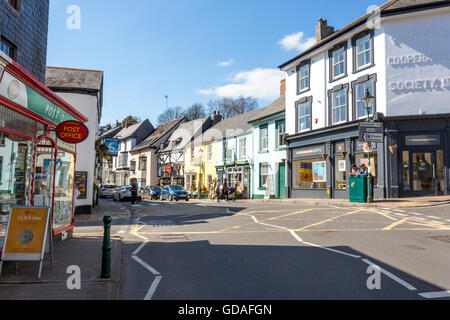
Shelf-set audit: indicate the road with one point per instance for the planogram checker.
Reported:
(280, 251)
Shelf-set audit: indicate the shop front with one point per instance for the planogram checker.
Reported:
(320, 162)
(238, 176)
(420, 155)
(36, 168)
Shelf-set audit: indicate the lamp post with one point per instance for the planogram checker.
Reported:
(368, 100)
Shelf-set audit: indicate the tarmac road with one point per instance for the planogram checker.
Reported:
(277, 251)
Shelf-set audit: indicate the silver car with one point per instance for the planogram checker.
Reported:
(106, 190)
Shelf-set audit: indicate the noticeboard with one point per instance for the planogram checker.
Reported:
(81, 183)
(26, 235)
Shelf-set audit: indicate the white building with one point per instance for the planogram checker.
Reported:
(83, 89)
(400, 53)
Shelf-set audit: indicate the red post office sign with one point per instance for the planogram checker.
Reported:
(72, 132)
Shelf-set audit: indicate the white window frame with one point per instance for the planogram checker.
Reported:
(263, 173)
(358, 53)
(334, 64)
(305, 116)
(302, 78)
(242, 148)
(342, 106)
(264, 139)
(359, 100)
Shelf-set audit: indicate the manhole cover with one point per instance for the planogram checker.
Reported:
(442, 238)
(414, 247)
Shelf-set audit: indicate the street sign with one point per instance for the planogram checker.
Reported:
(72, 132)
(371, 132)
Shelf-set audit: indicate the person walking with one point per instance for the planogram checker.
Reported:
(225, 188)
(217, 190)
(134, 190)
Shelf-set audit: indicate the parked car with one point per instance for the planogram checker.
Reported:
(124, 193)
(152, 192)
(176, 193)
(106, 190)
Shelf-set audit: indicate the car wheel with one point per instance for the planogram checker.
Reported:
(187, 199)
(171, 198)
(161, 198)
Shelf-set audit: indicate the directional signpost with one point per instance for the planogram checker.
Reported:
(371, 132)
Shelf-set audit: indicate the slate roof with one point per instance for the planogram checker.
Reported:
(138, 130)
(389, 7)
(185, 133)
(73, 79)
(111, 133)
(157, 134)
(278, 106)
(231, 127)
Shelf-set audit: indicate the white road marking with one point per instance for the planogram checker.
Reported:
(121, 232)
(152, 289)
(433, 217)
(448, 220)
(435, 295)
(397, 210)
(139, 248)
(423, 219)
(415, 213)
(438, 222)
(296, 236)
(333, 250)
(384, 215)
(390, 275)
(145, 265)
(400, 214)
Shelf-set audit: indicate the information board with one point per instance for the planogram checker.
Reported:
(81, 183)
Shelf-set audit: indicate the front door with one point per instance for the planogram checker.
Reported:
(282, 181)
(423, 172)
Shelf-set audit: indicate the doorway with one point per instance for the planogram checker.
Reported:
(423, 172)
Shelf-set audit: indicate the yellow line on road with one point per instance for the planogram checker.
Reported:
(396, 223)
(289, 214)
(328, 220)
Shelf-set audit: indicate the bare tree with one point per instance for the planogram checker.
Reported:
(229, 107)
(196, 111)
(170, 114)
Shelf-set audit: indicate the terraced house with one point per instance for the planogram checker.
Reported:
(397, 54)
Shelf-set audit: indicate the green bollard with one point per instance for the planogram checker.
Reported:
(106, 249)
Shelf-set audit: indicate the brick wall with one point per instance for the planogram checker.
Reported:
(27, 29)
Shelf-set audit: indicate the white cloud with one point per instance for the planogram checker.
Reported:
(258, 83)
(297, 41)
(227, 63)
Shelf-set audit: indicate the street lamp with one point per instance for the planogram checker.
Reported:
(368, 101)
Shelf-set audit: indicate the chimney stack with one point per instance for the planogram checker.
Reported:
(283, 87)
(117, 123)
(323, 30)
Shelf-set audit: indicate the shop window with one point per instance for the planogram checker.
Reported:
(405, 171)
(15, 176)
(440, 170)
(264, 174)
(309, 174)
(340, 172)
(363, 158)
(64, 179)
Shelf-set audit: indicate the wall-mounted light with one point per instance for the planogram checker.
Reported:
(324, 156)
(393, 149)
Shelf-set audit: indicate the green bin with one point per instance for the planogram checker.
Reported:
(358, 188)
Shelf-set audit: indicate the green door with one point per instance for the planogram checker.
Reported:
(282, 181)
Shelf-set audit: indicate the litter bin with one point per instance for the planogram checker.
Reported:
(358, 189)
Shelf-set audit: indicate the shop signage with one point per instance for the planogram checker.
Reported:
(113, 147)
(81, 183)
(18, 92)
(72, 132)
(26, 235)
(169, 169)
(307, 152)
(371, 132)
(425, 140)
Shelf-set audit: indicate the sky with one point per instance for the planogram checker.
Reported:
(193, 51)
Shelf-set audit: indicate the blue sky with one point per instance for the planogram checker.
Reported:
(191, 50)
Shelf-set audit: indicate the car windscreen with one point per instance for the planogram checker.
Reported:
(177, 188)
(155, 188)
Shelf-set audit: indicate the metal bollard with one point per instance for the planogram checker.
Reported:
(106, 249)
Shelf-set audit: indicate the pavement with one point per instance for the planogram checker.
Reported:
(19, 281)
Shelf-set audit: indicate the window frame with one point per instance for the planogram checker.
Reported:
(331, 92)
(142, 168)
(277, 133)
(303, 64)
(331, 52)
(355, 39)
(355, 84)
(261, 128)
(242, 155)
(261, 185)
(297, 104)
(12, 48)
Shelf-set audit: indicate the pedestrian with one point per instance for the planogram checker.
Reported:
(355, 171)
(225, 188)
(217, 190)
(76, 194)
(364, 171)
(134, 191)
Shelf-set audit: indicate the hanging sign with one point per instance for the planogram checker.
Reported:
(26, 235)
(72, 132)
